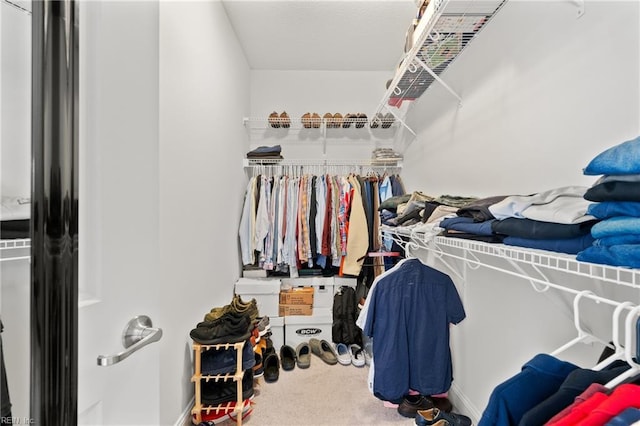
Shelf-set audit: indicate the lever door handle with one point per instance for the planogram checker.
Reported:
(137, 334)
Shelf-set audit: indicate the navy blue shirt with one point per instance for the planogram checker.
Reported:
(410, 310)
(540, 378)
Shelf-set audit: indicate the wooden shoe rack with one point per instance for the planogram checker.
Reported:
(198, 377)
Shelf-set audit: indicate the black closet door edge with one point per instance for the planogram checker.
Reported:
(54, 214)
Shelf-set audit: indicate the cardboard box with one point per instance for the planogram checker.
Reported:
(322, 289)
(265, 291)
(299, 329)
(292, 310)
(277, 331)
(297, 296)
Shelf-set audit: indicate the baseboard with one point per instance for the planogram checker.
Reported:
(463, 405)
(185, 417)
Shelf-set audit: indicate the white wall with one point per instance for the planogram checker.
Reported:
(542, 93)
(15, 180)
(204, 93)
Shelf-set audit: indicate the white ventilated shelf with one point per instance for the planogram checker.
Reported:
(320, 125)
(315, 166)
(538, 259)
(442, 34)
(9, 248)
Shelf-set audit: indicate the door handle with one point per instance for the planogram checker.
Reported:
(137, 334)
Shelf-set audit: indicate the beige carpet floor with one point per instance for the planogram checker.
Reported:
(322, 395)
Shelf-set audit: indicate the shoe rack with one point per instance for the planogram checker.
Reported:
(437, 36)
(198, 377)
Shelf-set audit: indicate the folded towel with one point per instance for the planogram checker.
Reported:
(621, 159)
(607, 209)
(620, 255)
(619, 225)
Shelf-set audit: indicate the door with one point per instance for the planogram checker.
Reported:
(118, 205)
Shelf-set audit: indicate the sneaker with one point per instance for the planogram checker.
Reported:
(227, 331)
(218, 392)
(434, 415)
(412, 403)
(357, 355)
(225, 412)
(223, 361)
(250, 308)
(263, 325)
(274, 120)
(361, 120)
(324, 350)
(343, 354)
(285, 121)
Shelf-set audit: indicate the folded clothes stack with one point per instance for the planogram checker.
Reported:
(616, 197)
(266, 152)
(385, 156)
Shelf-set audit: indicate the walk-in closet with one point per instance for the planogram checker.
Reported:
(457, 179)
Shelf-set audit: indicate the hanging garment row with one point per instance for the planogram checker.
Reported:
(296, 224)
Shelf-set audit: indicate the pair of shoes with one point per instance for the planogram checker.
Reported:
(343, 354)
(359, 119)
(224, 330)
(223, 361)
(276, 121)
(303, 355)
(411, 404)
(357, 355)
(324, 350)
(241, 307)
(287, 357)
(271, 367)
(333, 121)
(309, 120)
(218, 392)
(387, 120)
(434, 416)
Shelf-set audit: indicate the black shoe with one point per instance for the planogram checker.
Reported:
(226, 331)
(287, 357)
(271, 367)
(412, 403)
(443, 404)
(218, 392)
(433, 415)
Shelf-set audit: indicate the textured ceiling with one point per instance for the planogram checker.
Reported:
(354, 35)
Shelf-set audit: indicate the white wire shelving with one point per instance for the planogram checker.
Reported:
(272, 166)
(9, 248)
(539, 261)
(320, 125)
(439, 37)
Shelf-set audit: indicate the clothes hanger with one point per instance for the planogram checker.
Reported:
(618, 347)
(583, 336)
(630, 350)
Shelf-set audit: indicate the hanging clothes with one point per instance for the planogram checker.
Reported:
(408, 313)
